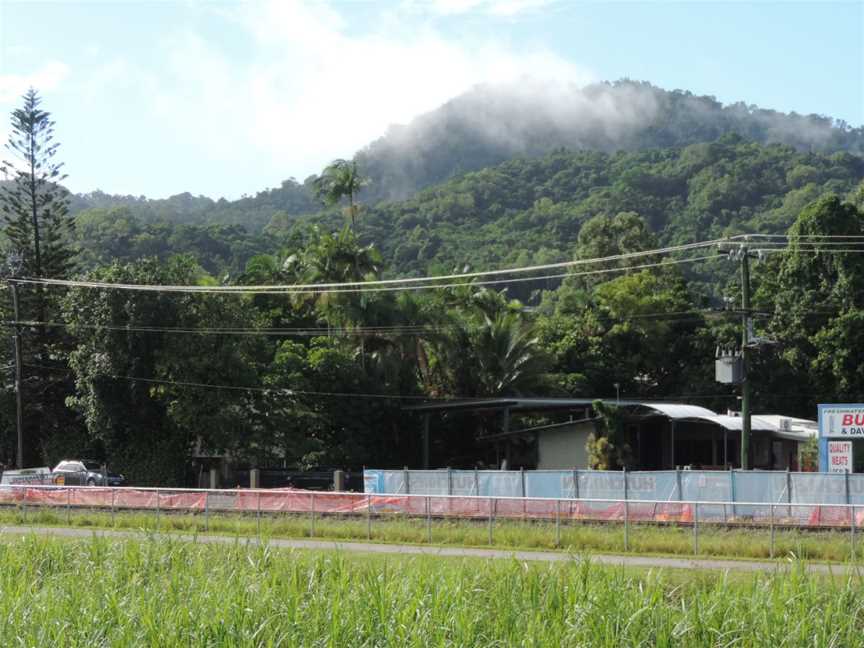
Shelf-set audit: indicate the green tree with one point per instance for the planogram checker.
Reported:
(341, 179)
(35, 206)
(815, 294)
(142, 353)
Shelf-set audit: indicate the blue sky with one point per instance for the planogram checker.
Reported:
(222, 99)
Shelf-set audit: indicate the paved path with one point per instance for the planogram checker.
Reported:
(416, 550)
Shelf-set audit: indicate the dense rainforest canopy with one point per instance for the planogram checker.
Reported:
(320, 378)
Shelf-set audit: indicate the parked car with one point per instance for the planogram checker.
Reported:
(84, 473)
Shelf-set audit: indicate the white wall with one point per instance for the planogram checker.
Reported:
(564, 447)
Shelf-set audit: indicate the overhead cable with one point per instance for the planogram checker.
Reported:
(349, 287)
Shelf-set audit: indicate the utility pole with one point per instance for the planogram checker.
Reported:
(745, 344)
(19, 406)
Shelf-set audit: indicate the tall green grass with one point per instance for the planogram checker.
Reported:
(166, 592)
(714, 541)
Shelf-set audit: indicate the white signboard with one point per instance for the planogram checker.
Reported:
(839, 456)
(841, 421)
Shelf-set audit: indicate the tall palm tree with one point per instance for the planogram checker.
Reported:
(341, 179)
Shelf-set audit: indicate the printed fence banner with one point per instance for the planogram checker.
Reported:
(822, 490)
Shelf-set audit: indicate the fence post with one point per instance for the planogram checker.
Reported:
(695, 527)
(524, 501)
(846, 480)
(312, 531)
(491, 516)
(157, 509)
(557, 523)
(207, 511)
(771, 550)
(626, 514)
(449, 481)
(851, 515)
(476, 481)
(113, 494)
(368, 517)
(68, 504)
(258, 513)
(428, 520)
(789, 492)
(678, 483)
(732, 490)
(626, 526)
(576, 483)
(406, 478)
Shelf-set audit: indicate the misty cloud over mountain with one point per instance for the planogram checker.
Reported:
(490, 124)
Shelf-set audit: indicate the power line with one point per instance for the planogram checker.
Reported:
(283, 391)
(451, 281)
(303, 332)
(803, 236)
(374, 286)
(379, 282)
(292, 392)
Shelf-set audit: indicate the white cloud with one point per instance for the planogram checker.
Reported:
(506, 8)
(315, 89)
(47, 77)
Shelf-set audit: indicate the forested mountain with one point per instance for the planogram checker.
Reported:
(492, 124)
(521, 212)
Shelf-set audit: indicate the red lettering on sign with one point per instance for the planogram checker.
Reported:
(847, 419)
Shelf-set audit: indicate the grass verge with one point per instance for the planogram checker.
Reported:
(713, 541)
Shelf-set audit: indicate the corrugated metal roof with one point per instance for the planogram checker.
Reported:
(800, 429)
(675, 411)
(736, 423)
